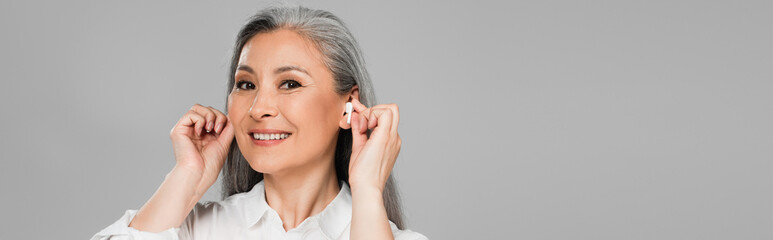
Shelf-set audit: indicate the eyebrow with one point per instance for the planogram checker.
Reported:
(277, 70)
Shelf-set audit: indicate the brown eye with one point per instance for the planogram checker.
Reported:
(246, 84)
(291, 84)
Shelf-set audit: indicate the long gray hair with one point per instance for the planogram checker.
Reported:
(343, 58)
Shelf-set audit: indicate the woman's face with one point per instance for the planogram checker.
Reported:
(281, 83)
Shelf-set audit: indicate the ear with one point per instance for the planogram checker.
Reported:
(353, 94)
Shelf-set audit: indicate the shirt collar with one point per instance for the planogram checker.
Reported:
(333, 220)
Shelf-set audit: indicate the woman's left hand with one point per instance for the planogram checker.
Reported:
(373, 158)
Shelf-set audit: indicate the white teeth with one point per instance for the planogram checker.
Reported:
(272, 136)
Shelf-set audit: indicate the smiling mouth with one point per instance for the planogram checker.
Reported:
(270, 136)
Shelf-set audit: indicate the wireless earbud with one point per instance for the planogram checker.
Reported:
(348, 112)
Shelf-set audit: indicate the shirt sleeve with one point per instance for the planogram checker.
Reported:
(406, 234)
(409, 235)
(120, 230)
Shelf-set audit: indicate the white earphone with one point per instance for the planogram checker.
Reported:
(348, 112)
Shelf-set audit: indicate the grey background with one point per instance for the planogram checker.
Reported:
(520, 120)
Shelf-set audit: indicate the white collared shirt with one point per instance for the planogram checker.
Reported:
(247, 215)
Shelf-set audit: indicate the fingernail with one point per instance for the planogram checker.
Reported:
(219, 128)
(209, 126)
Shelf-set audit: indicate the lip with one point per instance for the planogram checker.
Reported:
(267, 143)
(255, 130)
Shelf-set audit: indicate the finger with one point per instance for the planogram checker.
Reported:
(192, 120)
(226, 134)
(207, 114)
(373, 117)
(361, 108)
(212, 124)
(363, 124)
(380, 123)
(220, 119)
(358, 136)
(395, 118)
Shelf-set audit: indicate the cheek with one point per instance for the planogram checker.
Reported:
(236, 109)
(303, 111)
(310, 114)
(237, 114)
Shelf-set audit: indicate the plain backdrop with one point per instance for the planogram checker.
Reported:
(519, 119)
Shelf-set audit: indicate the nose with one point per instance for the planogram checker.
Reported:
(263, 107)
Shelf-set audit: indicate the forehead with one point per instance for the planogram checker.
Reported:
(280, 47)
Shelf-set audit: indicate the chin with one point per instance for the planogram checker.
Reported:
(264, 164)
(266, 160)
(270, 165)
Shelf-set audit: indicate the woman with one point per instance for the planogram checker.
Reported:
(292, 165)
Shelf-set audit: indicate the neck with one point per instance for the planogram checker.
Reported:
(300, 193)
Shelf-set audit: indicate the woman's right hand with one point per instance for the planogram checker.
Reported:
(201, 152)
(200, 156)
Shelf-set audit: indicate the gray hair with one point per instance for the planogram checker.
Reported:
(343, 57)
